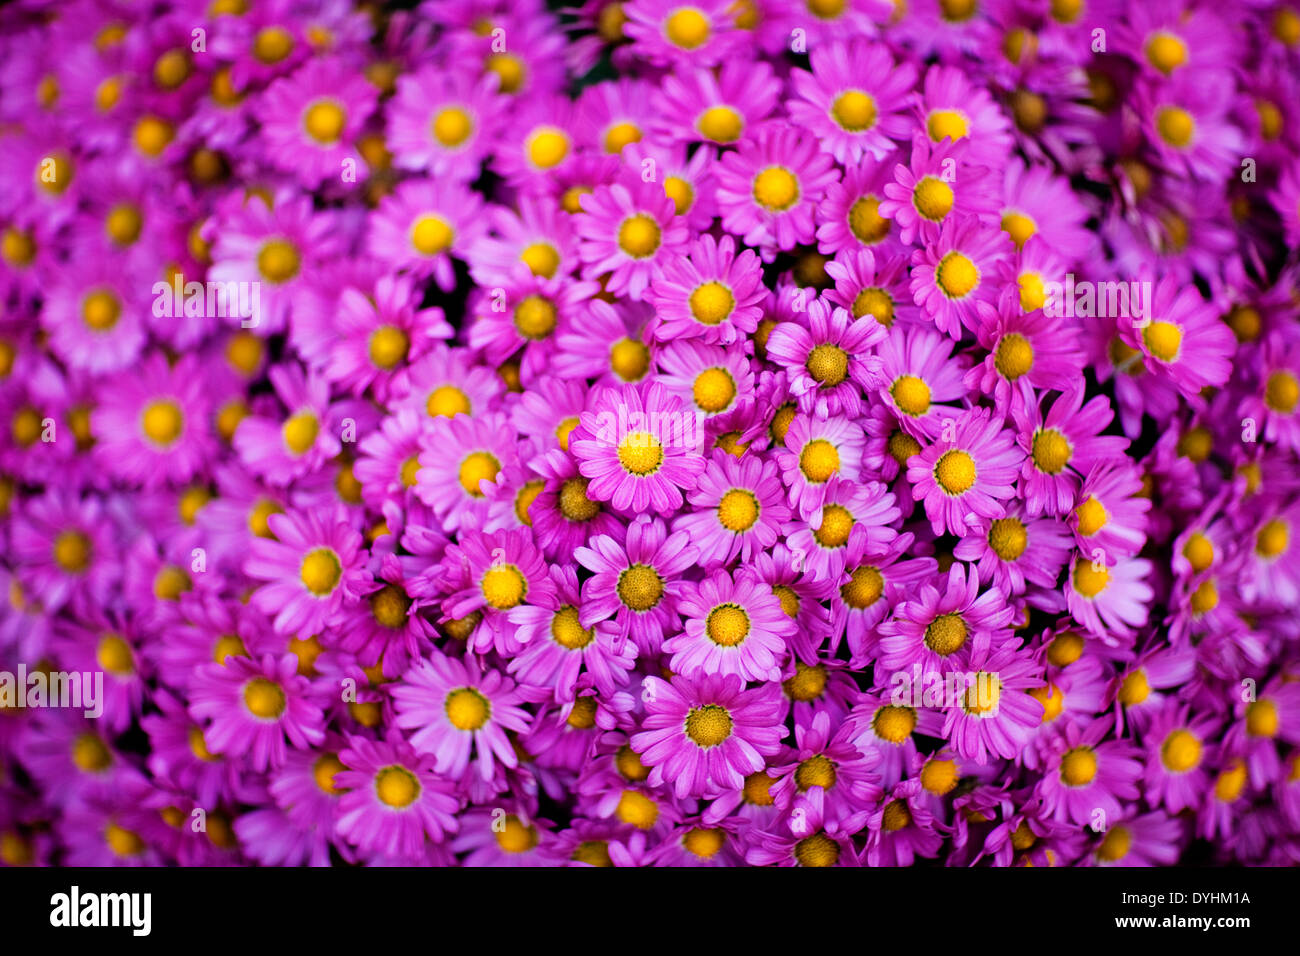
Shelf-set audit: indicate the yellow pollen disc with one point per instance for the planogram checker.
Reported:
(162, 422)
(1092, 516)
(854, 111)
(704, 844)
(1116, 844)
(1199, 552)
(757, 790)
(826, 9)
(565, 429)
(573, 501)
(388, 346)
(1078, 767)
(1033, 292)
(432, 235)
(123, 842)
(199, 746)
(1282, 392)
(278, 261)
(257, 517)
(639, 236)
(524, 499)
(114, 655)
(170, 583)
(1019, 227)
(100, 310)
(476, 467)
(640, 587)
(509, 70)
(828, 364)
(864, 588)
(1205, 598)
(124, 223)
(1181, 751)
(897, 816)
(467, 709)
(817, 850)
(956, 276)
(939, 777)
(152, 135)
(396, 787)
(711, 303)
(191, 503)
(709, 725)
(610, 21)
(323, 771)
(946, 634)
(629, 359)
(1014, 356)
(876, 303)
(1175, 126)
(781, 420)
(228, 645)
(72, 551)
(1166, 52)
(447, 401)
(452, 126)
(583, 714)
(1163, 340)
(955, 472)
(629, 764)
(1272, 539)
(1196, 444)
(542, 259)
(272, 44)
(911, 395)
(776, 189)
(902, 447)
(548, 147)
(26, 426)
(324, 121)
(894, 724)
(18, 247)
(1051, 451)
(816, 771)
(933, 198)
(264, 698)
(865, 221)
(957, 11)
(636, 809)
(389, 606)
(1134, 689)
(974, 702)
(1051, 698)
(836, 524)
(620, 135)
(727, 625)
(789, 600)
(680, 192)
(947, 123)
(1231, 781)
(722, 124)
(503, 586)
(593, 853)
(1087, 582)
(244, 352)
(567, 632)
(535, 317)
(1029, 110)
(300, 432)
(687, 28)
(640, 453)
(1286, 26)
(1261, 719)
(90, 754)
(321, 571)
(1008, 538)
(807, 684)
(569, 201)
(514, 837)
(819, 460)
(738, 510)
(1019, 44)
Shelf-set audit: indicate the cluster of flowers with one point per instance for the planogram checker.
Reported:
(769, 432)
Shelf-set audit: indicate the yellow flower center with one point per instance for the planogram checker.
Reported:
(1199, 551)
(114, 655)
(1051, 451)
(278, 261)
(152, 135)
(388, 346)
(509, 70)
(542, 259)
(836, 524)
(1230, 783)
(687, 28)
(865, 221)
(535, 317)
(864, 587)
(819, 460)
(939, 777)
(789, 600)
(819, 849)
(1163, 340)
(932, 198)
(228, 645)
(704, 844)
(776, 189)
(722, 124)
(548, 147)
(573, 501)
(514, 837)
(567, 632)
(1181, 751)
(709, 725)
(1261, 719)
(324, 121)
(727, 625)
(1079, 767)
(875, 302)
(1089, 582)
(272, 44)
(816, 771)
(636, 809)
(947, 123)
(957, 11)
(100, 310)
(640, 453)
(714, 390)
(1008, 538)
(629, 764)
(955, 472)
(1051, 698)
(18, 248)
(431, 235)
(894, 724)
(1092, 516)
(897, 816)
(124, 223)
(738, 510)
(946, 634)
(680, 192)
(1033, 291)
(504, 586)
(1166, 52)
(1014, 356)
(639, 236)
(1272, 539)
(264, 698)
(711, 303)
(476, 467)
(1019, 227)
(1175, 126)
(629, 359)
(854, 111)
(389, 606)
(396, 787)
(300, 432)
(640, 587)
(1282, 392)
(321, 571)
(170, 583)
(452, 126)
(467, 709)
(620, 135)
(828, 364)
(258, 515)
(986, 686)
(72, 551)
(1116, 844)
(902, 447)
(911, 395)
(956, 276)
(162, 422)
(123, 842)
(807, 684)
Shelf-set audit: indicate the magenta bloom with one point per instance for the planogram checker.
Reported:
(965, 478)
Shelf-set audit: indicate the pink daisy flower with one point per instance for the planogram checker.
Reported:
(627, 229)
(713, 294)
(733, 626)
(965, 478)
